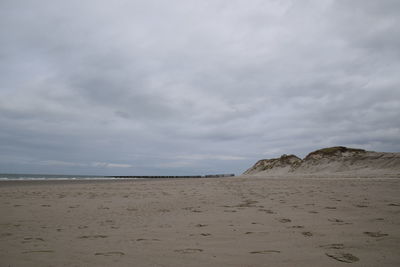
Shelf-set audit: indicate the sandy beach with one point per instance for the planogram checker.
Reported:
(201, 222)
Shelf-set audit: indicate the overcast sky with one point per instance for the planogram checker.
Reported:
(193, 87)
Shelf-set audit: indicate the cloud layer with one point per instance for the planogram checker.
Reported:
(193, 87)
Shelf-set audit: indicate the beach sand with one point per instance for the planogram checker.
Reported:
(201, 222)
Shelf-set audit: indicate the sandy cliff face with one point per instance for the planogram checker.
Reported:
(330, 161)
(285, 163)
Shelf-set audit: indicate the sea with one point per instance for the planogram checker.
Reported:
(34, 177)
(38, 177)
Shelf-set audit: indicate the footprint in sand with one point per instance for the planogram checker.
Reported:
(188, 250)
(188, 208)
(338, 221)
(343, 257)
(205, 234)
(258, 233)
(375, 234)
(92, 236)
(333, 246)
(196, 210)
(267, 211)
(308, 234)
(335, 220)
(111, 253)
(297, 226)
(265, 251)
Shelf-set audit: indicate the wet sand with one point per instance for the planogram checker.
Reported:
(201, 222)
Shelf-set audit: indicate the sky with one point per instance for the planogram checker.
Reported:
(184, 87)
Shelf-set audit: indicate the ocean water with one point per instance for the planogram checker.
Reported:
(18, 177)
(38, 177)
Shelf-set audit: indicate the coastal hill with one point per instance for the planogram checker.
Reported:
(332, 160)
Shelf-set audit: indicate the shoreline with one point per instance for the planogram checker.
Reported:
(13, 182)
(55, 181)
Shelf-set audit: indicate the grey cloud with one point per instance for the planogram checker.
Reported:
(141, 83)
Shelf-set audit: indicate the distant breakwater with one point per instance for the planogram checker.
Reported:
(176, 176)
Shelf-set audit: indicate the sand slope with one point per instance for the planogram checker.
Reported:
(331, 162)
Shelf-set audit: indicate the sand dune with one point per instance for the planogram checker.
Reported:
(333, 161)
